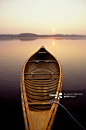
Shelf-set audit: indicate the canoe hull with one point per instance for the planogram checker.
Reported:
(37, 110)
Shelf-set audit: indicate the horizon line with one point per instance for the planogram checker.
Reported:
(44, 34)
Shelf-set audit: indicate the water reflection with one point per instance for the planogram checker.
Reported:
(71, 53)
(35, 38)
(53, 43)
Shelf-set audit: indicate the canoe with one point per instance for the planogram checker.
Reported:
(41, 82)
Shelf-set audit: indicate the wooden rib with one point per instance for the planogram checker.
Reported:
(53, 68)
(41, 90)
(32, 99)
(41, 94)
(50, 65)
(41, 85)
(37, 84)
(42, 81)
(29, 66)
(44, 91)
(35, 100)
(38, 97)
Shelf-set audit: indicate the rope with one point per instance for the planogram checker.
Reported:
(51, 102)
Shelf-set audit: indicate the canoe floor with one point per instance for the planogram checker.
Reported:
(39, 118)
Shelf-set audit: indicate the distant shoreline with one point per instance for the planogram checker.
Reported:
(25, 35)
(31, 36)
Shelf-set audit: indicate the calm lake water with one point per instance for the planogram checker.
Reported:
(72, 55)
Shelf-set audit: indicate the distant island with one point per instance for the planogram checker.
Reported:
(38, 35)
(32, 36)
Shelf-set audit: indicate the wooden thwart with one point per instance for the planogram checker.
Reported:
(37, 61)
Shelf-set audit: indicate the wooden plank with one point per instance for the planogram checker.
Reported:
(37, 61)
(52, 73)
(46, 78)
(46, 84)
(42, 52)
(50, 118)
(39, 89)
(38, 97)
(53, 117)
(34, 61)
(42, 81)
(35, 93)
(38, 103)
(42, 88)
(39, 119)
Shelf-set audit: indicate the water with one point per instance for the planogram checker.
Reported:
(72, 56)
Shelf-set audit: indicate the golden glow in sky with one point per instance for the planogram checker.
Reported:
(43, 16)
(53, 30)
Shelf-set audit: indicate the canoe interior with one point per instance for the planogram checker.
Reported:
(41, 76)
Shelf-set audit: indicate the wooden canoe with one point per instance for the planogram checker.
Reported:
(41, 77)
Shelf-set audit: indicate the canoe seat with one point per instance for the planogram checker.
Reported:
(42, 73)
(42, 51)
(38, 106)
(46, 61)
(38, 103)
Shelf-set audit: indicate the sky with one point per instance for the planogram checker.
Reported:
(43, 16)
